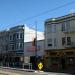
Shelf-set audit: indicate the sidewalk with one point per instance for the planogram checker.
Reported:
(71, 71)
(27, 70)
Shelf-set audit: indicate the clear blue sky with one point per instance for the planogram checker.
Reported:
(14, 12)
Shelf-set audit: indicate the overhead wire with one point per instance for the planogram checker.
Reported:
(45, 12)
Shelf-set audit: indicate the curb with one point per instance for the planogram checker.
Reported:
(27, 70)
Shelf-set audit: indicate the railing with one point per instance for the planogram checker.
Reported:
(27, 65)
(72, 45)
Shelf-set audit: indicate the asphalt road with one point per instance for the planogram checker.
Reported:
(16, 72)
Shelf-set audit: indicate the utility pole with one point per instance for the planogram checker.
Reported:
(36, 44)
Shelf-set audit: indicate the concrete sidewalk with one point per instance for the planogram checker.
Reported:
(27, 70)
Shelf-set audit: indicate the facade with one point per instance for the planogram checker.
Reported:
(33, 47)
(32, 54)
(12, 45)
(60, 42)
(16, 46)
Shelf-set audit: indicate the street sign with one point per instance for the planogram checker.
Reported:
(40, 65)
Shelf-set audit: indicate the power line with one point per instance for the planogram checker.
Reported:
(45, 12)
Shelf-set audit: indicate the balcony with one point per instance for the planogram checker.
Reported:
(71, 45)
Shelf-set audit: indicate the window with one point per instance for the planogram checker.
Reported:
(63, 41)
(53, 53)
(12, 47)
(10, 37)
(54, 28)
(13, 36)
(17, 35)
(55, 43)
(19, 46)
(38, 47)
(68, 40)
(49, 28)
(63, 26)
(70, 60)
(21, 35)
(6, 47)
(69, 53)
(49, 42)
(55, 59)
(66, 26)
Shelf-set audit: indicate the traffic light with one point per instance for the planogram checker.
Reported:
(34, 42)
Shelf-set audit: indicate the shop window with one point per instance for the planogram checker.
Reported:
(53, 53)
(69, 53)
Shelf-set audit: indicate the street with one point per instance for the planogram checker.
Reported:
(18, 72)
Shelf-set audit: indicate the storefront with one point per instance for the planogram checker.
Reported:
(60, 59)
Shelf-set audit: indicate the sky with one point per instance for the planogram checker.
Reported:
(31, 12)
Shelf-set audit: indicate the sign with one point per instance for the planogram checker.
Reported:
(31, 49)
(40, 65)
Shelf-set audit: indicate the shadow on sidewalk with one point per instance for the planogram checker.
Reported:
(68, 71)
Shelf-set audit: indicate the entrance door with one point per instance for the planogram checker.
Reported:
(63, 65)
(32, 60)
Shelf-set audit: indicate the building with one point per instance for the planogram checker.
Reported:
(32, 53)
(16, 45)
(60, 43)
(12, 46)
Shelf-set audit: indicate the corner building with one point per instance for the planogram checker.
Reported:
(12, 46)
(60, 43)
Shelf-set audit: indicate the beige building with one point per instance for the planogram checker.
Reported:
(60, 42)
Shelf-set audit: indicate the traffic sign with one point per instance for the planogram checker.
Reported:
(40, 65)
